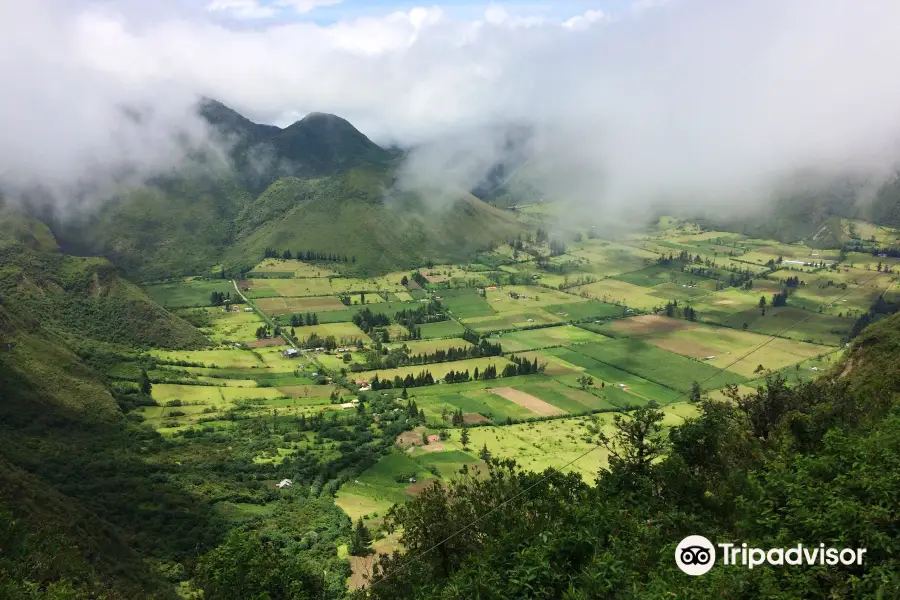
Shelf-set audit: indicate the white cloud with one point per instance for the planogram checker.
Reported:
(581, 22)
(242, 9)
(698, 98)
(255, 9)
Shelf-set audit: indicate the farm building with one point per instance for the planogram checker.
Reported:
(290, 353)
(284, 483)
(248, 309)
(434, 438)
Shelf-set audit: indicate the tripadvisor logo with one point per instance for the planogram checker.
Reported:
(696, 555)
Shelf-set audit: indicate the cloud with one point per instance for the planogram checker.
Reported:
(700, 100)
(255, 9)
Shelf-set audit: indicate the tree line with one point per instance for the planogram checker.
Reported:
(308, 255)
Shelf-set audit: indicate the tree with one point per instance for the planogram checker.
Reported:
(464, 437)
(247, 565)
(636, 442)
(425, 438)
(485, 454)
(695, 392)
(762, 301)
(585, 381)
(404, 281)
(360, 540)
(403, 394)
(144, 383)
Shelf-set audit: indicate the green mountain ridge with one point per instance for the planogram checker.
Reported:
(317, 185)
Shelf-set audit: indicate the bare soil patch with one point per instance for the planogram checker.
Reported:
(276, 341)
(362, 570)
(420, 486)
(684, 347)
(532, 403)
(645, 324)
(410, 438)
(474, 418)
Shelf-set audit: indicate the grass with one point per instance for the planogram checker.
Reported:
(221, 358)
(529, 298)
(511, 320)
(620, 292)
(230, 326)
(438, 370)
(479, 402)
(188, 294)
(342, 332)
(569, 399)
(656, 275)
(294, 267)
(794, 323)
(207, 394)
(638, 390)
(441, 329)
(657, 365)
(465, 303)
(325, 286)
(726, 345)
(431, 346)
(576, 311)
(286, 305)
(529, 339)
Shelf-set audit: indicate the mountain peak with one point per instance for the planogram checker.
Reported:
(318, 144)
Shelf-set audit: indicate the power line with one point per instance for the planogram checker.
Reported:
(519, 494)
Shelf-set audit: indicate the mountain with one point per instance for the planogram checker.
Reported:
(316, 145)
(73, 474)
(319, 184)
(80, 297)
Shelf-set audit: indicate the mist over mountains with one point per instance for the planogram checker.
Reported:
(689, 104)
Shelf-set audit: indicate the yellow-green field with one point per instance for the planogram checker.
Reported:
(295, 267)
(517, 341)
(344, 333)
(438, 370)
(225, 358)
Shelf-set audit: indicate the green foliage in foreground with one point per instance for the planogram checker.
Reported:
(813, 463)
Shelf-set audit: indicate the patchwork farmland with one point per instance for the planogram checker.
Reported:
(531, 359)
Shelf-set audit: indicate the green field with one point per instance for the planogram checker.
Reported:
(793, 323)
(637, 390)
(230, 326)
(223, 358)
(289, 268)
(577, 311)
(344, 333)
(656, 275)
(480, 402)
(529, 339)
(464, 303)
(657, 365)
(511, 320)
(431, 346)
(438, 370)
(441, 329)
(188, 294)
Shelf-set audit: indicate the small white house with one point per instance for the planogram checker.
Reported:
(248, 309)
(290, 353)
(284, 483)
